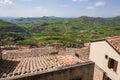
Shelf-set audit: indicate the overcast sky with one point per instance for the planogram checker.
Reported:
(59, 8)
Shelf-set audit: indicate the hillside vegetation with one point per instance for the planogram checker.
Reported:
(9, 33)
(67, 31)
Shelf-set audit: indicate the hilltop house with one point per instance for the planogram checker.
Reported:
(106, 55)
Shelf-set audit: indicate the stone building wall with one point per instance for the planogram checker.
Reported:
(81, 71)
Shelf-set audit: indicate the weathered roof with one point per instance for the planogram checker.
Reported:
(114, 42)
(29, 65)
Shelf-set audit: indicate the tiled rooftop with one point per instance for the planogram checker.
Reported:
(114, 42)
(14, 54)
(23, 66)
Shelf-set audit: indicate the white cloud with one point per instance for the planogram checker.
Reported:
(79, 0)
(96, 4)
(6, 2)
(100, 3)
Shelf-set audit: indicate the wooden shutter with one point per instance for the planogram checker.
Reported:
(104, 77)
(109, 63)
(115, 66)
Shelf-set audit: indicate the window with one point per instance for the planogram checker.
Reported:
(106, 78)
(106, 56)
(112, 64)
(77, 55)
(77, 79)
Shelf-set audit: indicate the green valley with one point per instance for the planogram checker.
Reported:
(67, 31)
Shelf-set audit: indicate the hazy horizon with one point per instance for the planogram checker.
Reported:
(56, 17)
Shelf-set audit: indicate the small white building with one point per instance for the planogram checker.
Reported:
(106, 55)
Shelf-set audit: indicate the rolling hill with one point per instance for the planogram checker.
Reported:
(10, 32)
(67, 30)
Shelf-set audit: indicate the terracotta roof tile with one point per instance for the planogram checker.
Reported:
(23, 66)
(114, 42)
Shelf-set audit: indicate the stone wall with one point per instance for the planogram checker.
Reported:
(81, 71)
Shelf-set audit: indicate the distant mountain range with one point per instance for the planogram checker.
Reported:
(44, 17)
(8, 18)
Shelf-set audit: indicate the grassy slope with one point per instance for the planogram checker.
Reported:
(9, 27)
(10, 32)
(69, 30)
